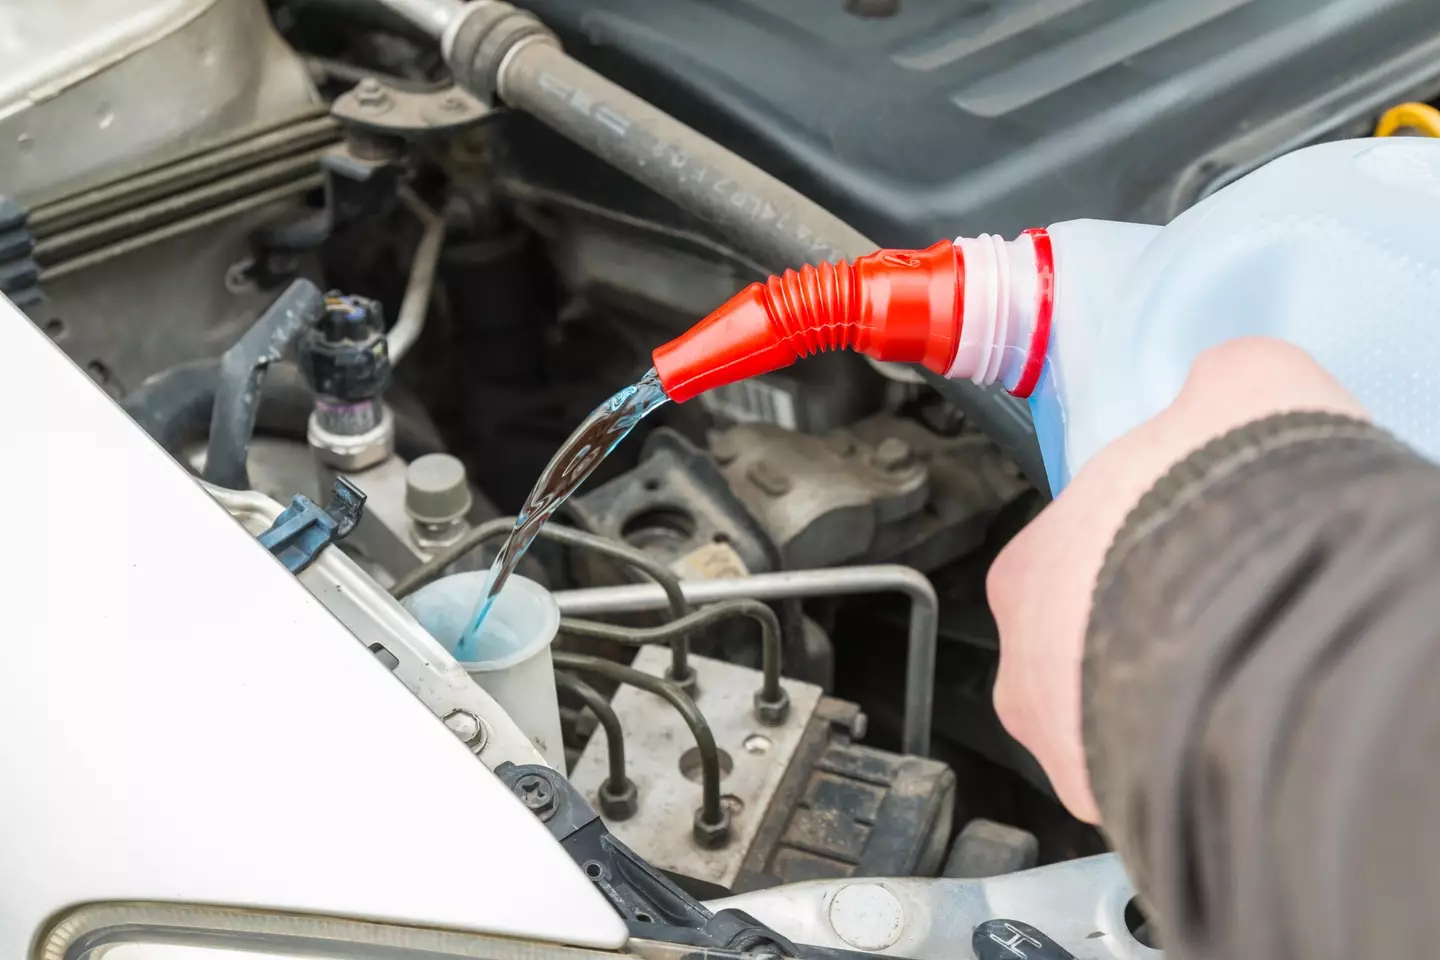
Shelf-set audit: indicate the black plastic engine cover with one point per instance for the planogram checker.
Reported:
(920, 119)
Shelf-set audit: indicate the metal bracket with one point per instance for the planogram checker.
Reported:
(378, 107)
(653, 906)
(304, 529)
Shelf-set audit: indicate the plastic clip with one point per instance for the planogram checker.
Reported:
(299, 534)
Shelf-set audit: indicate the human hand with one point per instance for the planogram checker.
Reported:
(1040, 586)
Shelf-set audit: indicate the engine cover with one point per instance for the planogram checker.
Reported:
(917, 119)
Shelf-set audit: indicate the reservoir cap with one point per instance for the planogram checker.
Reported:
(436, 489)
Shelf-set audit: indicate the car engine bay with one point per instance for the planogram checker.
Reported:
(509, 208)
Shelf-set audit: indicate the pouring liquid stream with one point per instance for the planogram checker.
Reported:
(576, 459)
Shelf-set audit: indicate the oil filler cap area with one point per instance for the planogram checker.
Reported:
(1013, 940)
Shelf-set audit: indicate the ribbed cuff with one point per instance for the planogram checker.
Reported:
(1128, 593)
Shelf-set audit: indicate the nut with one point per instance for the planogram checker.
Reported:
(619, 804)
(772, 713)
(352, 453)
(690, 683)
(537, 793)
(369, 93)
(712, 836)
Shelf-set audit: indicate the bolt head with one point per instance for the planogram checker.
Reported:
(712, 836)
(537, 793)
(772, 713)
(621, 804)
(467, 727)
(369, 93)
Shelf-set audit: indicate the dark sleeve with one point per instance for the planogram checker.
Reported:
(1262, 696)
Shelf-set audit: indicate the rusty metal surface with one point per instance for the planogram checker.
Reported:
(660, 747)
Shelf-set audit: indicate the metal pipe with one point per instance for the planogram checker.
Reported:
(667, 582)
(772, 700)
(431, 16)
(712, 813)
(796, 584)
(609, 722)
(410, 321)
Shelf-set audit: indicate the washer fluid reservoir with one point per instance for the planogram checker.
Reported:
(510, 658)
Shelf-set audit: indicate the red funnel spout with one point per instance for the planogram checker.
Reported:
(900, 305)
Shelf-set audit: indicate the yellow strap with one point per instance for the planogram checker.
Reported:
(1420, 117)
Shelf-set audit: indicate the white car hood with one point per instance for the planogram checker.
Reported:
(180, 720)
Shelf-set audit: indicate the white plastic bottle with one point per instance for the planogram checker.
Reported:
(1335, 248)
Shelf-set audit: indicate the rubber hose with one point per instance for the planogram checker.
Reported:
(174, 407)
(242, 371)
(780, 226)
